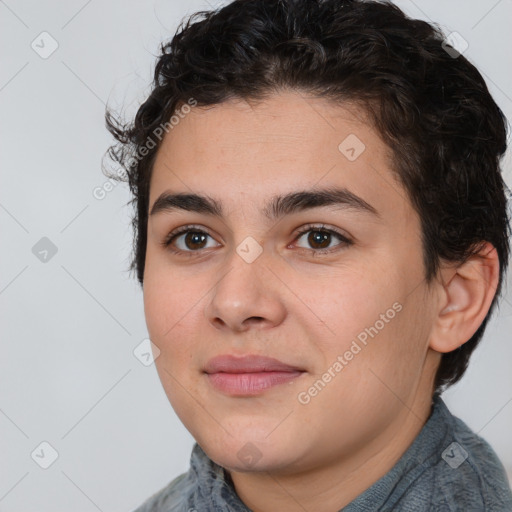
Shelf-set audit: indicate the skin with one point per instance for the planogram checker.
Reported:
(302, 308)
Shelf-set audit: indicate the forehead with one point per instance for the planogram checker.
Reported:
(287, 142)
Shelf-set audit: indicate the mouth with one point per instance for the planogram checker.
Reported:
(249, 375)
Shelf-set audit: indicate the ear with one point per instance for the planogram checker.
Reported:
(466, 294)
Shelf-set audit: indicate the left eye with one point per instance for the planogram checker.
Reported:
(319, 238)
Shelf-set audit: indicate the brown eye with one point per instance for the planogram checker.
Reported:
(194, 240)
(319, 239)
(187, 240)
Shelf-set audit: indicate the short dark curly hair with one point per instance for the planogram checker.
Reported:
(429, 104)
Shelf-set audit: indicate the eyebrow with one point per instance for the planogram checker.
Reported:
(277, 206)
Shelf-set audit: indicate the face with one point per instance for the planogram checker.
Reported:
(333, 288)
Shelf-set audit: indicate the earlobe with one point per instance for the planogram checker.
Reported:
(468, 291)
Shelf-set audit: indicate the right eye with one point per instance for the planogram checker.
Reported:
(187, 239)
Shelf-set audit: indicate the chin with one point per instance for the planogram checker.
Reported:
(249, 453)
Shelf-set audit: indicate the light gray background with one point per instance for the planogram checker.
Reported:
(68, 374)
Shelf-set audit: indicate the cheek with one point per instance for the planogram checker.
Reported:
(377, 328)
(169, 304)
(349, 308)
(172, 310)
(395, 351)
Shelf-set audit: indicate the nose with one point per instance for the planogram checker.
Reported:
(246, 296)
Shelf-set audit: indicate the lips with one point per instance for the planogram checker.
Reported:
(249, 375)
(247, 364)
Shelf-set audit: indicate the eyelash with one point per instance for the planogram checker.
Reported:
(345, 242)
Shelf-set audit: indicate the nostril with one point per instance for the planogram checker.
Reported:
(255, 318)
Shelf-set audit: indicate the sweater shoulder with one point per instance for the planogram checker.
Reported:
(467, 474)
(171, 498)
